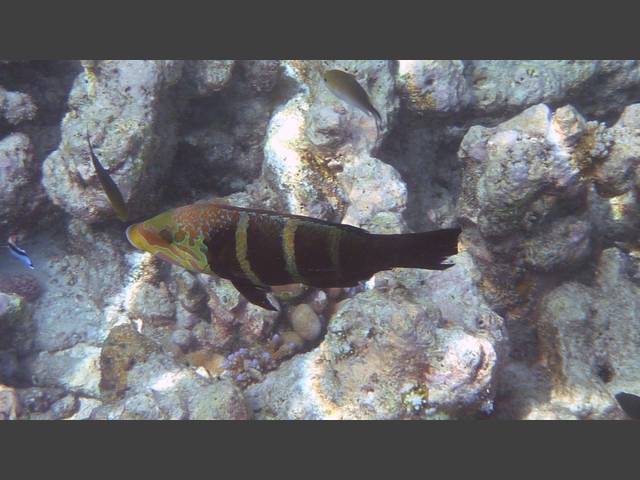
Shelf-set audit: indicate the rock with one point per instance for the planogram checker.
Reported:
(391, 353)
(292, 340)
(18, 195)
(86, 408)
(76, 369)
(618, 173)
(318, 301)
(221, 401)
(207, 76)
(372, 187)
(221, 142)
(9, 407)
(256, 324)
(190, 292)
(16, 107)
(23, 284)
(261, 75)
(305, 322)
(187, 321)
(9, 367)
(523, 180)
(565, 244)
(124, 105)
(307, 160)
(152, 303)
(569, 124)
(65, 407)
(435, 85)
(160, 388)
(587, 335)
(182, 338)
(76, 305)
(122, 350)
(38, 400)
(16, 324)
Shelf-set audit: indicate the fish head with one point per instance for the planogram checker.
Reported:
(332, 78)
(171, 241)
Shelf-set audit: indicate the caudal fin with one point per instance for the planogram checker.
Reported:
(416, 250)
(378, 119)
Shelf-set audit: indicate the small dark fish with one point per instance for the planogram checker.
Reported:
(18, 252)
(257, 249)
(109, 186)
(630, 403)
(345, 86)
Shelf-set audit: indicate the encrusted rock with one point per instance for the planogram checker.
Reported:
(208, 76)
(588, 336)
(152, 303)
(9, 406)
(16, 326)
(18, 195)
(16, 107)
(122, 350)
(123, 107)
(385, 350)
(75, 369)
(23, 284)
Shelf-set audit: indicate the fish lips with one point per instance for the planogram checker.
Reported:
(135, 237)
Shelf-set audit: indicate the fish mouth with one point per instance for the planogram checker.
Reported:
(135, 237)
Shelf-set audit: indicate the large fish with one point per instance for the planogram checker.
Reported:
(345, 86)
(256, 249)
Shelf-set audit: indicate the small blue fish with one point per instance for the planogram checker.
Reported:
(18, 252)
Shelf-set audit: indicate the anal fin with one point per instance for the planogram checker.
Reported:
(253, 293)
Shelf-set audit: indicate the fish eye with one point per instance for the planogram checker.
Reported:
(166, 235)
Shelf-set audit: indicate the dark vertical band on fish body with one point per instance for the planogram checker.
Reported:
(221, 249)
(315, 258)
(265, 253)
(355, 254)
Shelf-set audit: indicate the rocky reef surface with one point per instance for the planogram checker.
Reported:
(537, 161)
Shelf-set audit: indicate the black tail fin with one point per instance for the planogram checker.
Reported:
(416, 250)
(378, 119)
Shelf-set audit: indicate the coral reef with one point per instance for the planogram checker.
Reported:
(536, 161)
(391, 352)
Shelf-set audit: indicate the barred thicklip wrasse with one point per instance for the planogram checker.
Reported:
(345, 86)
(256, 249)
(109, 186)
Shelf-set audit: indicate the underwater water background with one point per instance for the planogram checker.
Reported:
(536, 162)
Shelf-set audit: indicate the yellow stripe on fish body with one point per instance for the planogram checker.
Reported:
(289, 249)
(242, 248)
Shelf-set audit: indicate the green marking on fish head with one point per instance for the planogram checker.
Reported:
(171, 241)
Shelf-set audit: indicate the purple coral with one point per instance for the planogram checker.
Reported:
(246, 365)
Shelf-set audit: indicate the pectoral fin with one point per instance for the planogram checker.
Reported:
(253, 293)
